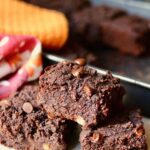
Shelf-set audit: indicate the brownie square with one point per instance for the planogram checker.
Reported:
(24, 125)
(76, 92)
(129, 34)
(125, 131)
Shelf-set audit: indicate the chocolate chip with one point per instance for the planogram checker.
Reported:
(96, 137)
(139, 131)
(77, 72)
(80, 61)
(27, 107)
(88, 90)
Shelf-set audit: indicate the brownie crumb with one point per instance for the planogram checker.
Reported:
(112, 27)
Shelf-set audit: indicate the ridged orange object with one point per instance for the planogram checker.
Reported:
(20, 18)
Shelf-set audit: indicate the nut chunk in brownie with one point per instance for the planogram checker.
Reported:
(24, 126)
(74, 91)
(123, 132)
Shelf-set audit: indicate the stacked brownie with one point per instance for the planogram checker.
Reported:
(76, 92)
(38, 117)
(112, 27)
(26, 126)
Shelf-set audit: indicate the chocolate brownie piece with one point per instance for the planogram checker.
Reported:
(122, 132)
(25, 126)
(73, 91)
(129, 34)
(85, 24)
(65, 6)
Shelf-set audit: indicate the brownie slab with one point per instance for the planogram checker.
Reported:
(123, 132)
(25, 126)
(73, 91)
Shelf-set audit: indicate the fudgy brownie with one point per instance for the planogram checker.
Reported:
(25, 126)
(85, 24)
(73, 91)
(122, 132)
(129, 34)
(66, 6)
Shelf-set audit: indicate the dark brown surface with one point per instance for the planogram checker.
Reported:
(66, 6)
(85, 24)
(129, 34)
(112, 27)
(74, 49)
(78, 93)
(122, 132)
(31, 130)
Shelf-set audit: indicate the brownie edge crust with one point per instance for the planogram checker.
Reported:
(74, 91)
